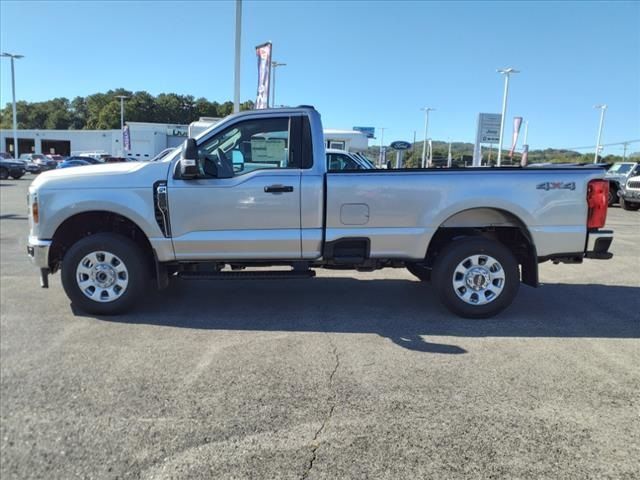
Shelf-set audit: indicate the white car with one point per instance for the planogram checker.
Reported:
(630, 194)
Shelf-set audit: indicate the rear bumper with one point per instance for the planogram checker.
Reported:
(38, 251)
(598, 243)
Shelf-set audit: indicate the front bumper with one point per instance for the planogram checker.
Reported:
(630, 195)
(38, 251)
(598, 243)
(46, 167)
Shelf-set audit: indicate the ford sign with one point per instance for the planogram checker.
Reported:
(400, 145)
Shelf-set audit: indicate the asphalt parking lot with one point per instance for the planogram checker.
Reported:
(347, 375)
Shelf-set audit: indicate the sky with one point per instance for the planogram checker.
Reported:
(360, 63)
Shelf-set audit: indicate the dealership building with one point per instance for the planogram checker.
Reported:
(147, 139)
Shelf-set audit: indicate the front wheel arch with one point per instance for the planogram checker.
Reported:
(76, 227)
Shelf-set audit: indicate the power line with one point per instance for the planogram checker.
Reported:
(602, 145)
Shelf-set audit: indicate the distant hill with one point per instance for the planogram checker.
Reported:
(412, 157)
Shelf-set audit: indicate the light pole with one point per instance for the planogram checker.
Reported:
(275, 65)
(382, 129)
(122, 99)
(602, 108)
(236, 71)
(13, 56)
(507, 73)
(426, 131)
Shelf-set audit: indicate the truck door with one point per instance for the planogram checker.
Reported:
(254, 214)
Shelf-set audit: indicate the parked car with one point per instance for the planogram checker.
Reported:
(618, 175)
(6, 156)
(342, 160)
(55, 157)
(41, 161)
(73, 163)
(475, 234)
(97, 154)
(11, 168)
(630, 195)
(90, 160)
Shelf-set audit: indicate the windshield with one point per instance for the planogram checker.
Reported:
(163, 154)
(621, 168)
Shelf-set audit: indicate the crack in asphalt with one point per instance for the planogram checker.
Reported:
(332, 401)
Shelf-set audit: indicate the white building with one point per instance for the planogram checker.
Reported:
(350, 140)
(147, 139)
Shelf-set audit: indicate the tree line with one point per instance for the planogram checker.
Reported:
(102, 110)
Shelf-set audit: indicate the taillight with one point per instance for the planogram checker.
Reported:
(597, 202)
(35, 214)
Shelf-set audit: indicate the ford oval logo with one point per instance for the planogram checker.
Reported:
(400, 145)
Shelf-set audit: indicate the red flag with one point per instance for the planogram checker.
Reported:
(517, 123)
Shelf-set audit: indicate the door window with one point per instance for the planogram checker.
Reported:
(248, 146)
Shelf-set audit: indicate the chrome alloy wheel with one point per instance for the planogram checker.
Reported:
(478, 279)
(102, 276)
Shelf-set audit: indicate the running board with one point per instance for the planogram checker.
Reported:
(251, 275)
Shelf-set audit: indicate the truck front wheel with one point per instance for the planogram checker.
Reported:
(476, 277)
(104, 274)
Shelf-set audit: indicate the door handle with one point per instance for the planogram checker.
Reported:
(278, 189)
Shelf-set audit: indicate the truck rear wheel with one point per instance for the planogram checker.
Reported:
(476, 277)
(104, 274)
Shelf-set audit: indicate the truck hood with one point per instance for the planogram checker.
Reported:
(108, 175)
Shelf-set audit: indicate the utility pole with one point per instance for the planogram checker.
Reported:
(122, 99)
(13, 57)
(624, 155)
(603, 108)
(236, 73)
(274, 65)
(426, 134)
(380, 159)
(507, 73)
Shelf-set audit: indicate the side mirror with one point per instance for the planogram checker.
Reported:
(189, 159)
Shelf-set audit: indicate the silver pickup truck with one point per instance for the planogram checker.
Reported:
(254, 191)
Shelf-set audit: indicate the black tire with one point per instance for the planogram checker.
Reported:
(629, 206)
(420, 271)
(4, 173)
(17, 177)
(137, 273)
(613, 196)
(445, 269)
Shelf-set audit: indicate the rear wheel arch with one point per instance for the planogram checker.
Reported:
(492, 223)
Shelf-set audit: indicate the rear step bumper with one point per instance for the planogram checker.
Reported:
(598, 243)
(250, 275)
